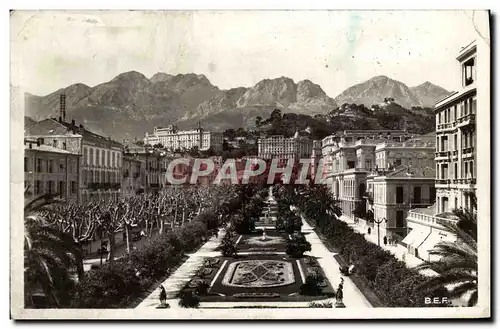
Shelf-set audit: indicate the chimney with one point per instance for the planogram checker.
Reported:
(62, 106)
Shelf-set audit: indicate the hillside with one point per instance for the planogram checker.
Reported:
(131, 104)
(429, 93)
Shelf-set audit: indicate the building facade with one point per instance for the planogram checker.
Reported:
(392, 170)
(278, 146)
(174, 139)
(48, 169)
(456, 138)
(133, 175)
(100, 163)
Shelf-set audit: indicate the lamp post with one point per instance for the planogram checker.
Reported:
(378, 222)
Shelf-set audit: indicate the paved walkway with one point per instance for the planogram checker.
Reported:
(175, 282)
(353, 298)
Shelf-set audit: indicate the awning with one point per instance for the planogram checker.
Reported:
(430, 242)
(411, 236)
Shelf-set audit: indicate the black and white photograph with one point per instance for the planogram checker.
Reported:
(250, 164)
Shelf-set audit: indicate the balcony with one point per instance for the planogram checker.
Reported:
(468, 119)
(427, 220)
(468, 152)
(444, 126)
(442, 156)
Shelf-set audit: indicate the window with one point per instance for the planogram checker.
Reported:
(62, 191)
(91, 162)
(73, 187)
(50, 166)
(432, 194)
(400, 220)
(38, 185)
(103, 177)
(108, 160)
(103, 154)
(113, 160)
(61, 165)
(97, 158)
(398, 162)
(444, 204)
(26, 169)
(399, 194)
(466, 170)
(471, 168)
(417, 194)
(455, 171)
(64, 145)
(468, 72)
(54, 143)
(455, 138)
(50, 186)
(85, 155)
(38, 165)
(351, 164)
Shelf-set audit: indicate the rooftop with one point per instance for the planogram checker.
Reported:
(32, 146)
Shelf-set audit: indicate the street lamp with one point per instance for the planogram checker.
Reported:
(378, 222)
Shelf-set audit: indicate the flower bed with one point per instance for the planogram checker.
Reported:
(221, 292)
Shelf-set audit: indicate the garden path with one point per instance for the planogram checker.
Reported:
(175, 282)
(353, 298)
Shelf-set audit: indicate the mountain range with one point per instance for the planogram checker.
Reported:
(131, 104)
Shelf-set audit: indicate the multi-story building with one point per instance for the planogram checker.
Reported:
(174, 139)
(375, 165)
(456, 165)
(48, 169)
(133, 175)
(456, 138)
(402, 180)
(100, 163)
(278, 146)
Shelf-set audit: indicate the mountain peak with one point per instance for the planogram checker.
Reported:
(130, 75)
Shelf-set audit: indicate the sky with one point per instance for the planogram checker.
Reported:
(335, 49)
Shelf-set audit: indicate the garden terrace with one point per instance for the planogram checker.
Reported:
(258, 278)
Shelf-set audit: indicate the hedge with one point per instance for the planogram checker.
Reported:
(389, 279)
(119, 283)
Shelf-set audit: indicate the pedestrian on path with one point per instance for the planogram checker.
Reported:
(385, 240)
(163, 295)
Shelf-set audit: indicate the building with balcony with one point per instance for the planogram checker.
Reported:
(394, 170)
(425, 231)
(100, 162)
(455, 162)
(174, 139)
(48, 169)
(456, 138)
(278, 146)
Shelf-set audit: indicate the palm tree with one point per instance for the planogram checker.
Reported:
(49, 254)
(457, 263)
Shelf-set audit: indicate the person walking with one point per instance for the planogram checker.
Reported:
(385, 240)
(163, 296)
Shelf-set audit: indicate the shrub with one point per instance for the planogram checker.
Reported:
(188, 299)
(312, 286)
(202, 288)
(228, 245)
(112, 285)
(325, 304)
(297, 245)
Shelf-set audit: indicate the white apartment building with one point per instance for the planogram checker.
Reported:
(278, 146)
(173, 139)
(456, 138)
(375, 166)
(456, 166)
